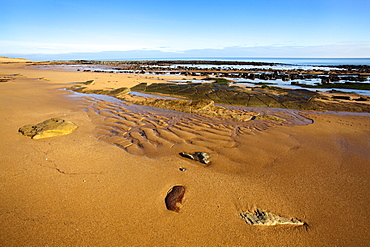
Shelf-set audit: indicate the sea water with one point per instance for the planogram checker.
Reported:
(290, 61)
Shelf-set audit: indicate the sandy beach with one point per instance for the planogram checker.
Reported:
(93, 188)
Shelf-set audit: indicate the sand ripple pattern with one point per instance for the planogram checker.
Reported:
(149, 131)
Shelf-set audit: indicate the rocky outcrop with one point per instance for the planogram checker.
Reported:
(201, 107)
(49, 128)
(264, 96)
(118, 92)
(202, 97)
(204, 107)
(4, 79)
(263, 218)
(90, 82)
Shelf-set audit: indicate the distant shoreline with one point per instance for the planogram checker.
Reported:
(113, 57)
(347, 77)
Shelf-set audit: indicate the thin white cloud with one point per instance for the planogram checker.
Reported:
(57, 48)
(47, 48)
(343, 50)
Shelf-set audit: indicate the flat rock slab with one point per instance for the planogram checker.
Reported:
(263, 218)
(118, 92)
(48, 128)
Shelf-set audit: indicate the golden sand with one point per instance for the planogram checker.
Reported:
(81, 190)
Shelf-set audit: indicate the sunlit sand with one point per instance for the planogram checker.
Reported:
(119, 179)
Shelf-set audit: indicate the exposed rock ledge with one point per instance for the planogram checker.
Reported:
(204, 107)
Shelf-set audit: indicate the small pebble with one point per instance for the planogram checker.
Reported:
(182, 169)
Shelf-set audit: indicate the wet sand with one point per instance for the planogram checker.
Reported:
(106, 183)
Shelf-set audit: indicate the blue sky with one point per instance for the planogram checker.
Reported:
(267, 28)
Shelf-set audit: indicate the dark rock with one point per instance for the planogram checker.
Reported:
(197, 156)
(333, 78)
(4, 79)
(342, 97)
(363, 99)
(90, 82)
(174, 198)
(325, 80)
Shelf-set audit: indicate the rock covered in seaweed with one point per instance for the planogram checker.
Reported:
(204, 107)
(48, 128)
(264, 96)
